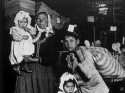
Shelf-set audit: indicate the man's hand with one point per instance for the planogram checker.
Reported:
(72, 60)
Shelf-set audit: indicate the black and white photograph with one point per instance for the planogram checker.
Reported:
(62, 46)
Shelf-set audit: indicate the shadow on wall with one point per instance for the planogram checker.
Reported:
(8, 75)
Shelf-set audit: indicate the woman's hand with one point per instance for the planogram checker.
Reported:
(31, 59)
(27, 58)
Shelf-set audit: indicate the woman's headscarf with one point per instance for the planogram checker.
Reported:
(48, 29)
(65, 77)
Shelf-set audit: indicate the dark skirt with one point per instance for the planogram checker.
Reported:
(41, 80)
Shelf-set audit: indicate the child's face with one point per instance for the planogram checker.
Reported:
(69, 87)
(70, 43)
(23, 23)
(42, 21)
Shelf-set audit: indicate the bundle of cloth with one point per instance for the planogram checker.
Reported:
(105, 63)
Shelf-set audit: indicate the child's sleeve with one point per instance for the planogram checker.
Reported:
(16, 36)
(32, 31)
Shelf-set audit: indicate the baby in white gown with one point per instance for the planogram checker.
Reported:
(22, 44)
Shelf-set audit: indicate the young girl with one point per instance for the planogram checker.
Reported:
(68, 84)
(22, 43)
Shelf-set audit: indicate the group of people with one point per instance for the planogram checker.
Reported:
(34, 57)
(30, 56)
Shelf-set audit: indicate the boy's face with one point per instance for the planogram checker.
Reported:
(70, 43)
(23, 23)
(42, 21)
(69, 87)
